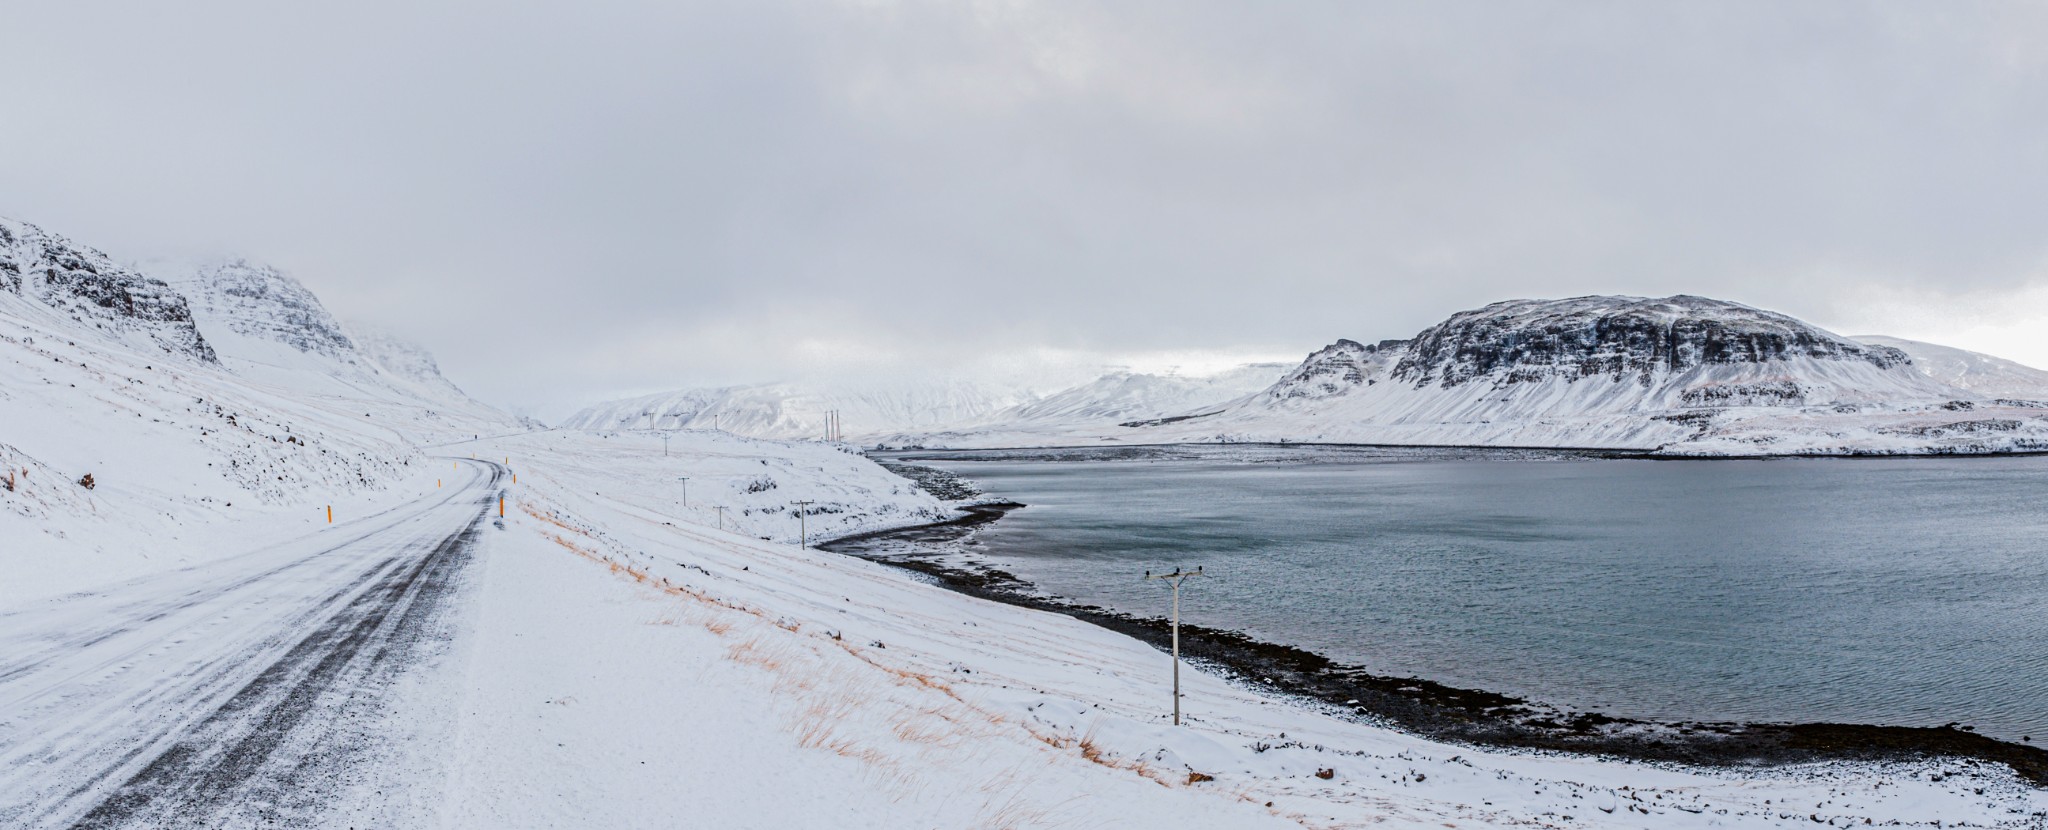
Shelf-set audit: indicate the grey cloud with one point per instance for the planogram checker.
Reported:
(572, 200)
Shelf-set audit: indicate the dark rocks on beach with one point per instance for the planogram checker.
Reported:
(1448, 713)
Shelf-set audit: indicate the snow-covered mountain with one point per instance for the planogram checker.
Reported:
(55, 281)
(1120, 398)
(1975, 372)
(1128, 396)
(268, 328)
(798, 410)
(222, 393)
(1680, 375)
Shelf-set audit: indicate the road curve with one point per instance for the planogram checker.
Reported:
(227, 694)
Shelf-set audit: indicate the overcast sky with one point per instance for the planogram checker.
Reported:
(594, 198)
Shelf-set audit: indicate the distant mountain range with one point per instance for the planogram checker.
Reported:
(870, 410)
(1679, 375)
(798, 410)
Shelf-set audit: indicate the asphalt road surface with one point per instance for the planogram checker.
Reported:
(240, 693)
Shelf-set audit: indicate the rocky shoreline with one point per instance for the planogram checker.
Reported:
(1447, 713)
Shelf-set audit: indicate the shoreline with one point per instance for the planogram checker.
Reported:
(1445, 713)
(1602, 453)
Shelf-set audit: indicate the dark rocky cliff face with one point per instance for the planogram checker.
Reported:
(1618, 337)
(87, 286)
(1331, 370)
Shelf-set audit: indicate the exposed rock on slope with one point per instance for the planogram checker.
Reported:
(65, 279)
(245, 396)
(1684, 374)
(1679, 375)
(1338, 367)
(1518, 341)
(268, 328)
(259, 301)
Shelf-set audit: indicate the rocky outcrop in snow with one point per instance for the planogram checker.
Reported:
(1519, 341)
(255, 300)
(1336, 369)
(82, 284)
(1680, 375)
(1684, 374)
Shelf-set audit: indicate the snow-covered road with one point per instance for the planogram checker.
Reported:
(240, 692)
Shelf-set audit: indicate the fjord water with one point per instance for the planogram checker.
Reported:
(1908, 592)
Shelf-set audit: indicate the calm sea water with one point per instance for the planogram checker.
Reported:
(1900, 592)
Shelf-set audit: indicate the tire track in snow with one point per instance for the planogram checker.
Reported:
(251, 717)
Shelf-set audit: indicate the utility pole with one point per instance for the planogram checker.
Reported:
(1174, 579)
(721, 516)
(664, 445)
(803, 531)
(686, 489)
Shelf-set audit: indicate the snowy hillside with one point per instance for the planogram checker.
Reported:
(1981, 374)
(798, 410)
(238, 400)
(269, 329)
(53, 281)
(1680, 375)
(1119, 399)
(1128, 396)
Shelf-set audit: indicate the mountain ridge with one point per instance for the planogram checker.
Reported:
(1679, 375)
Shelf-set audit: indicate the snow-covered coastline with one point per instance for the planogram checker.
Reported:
(1079, 697)
(948, 553)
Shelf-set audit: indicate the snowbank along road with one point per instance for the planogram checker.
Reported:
(248, 691)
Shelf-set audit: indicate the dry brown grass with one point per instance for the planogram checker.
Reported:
(820, 696)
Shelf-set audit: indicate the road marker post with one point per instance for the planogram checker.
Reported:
(330, 514)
